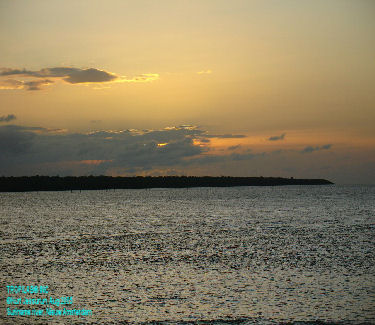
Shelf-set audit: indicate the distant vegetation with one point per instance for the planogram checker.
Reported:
(56, 183)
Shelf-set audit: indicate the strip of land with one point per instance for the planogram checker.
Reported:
(69, 183)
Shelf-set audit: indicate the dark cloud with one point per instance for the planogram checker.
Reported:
(277, 137)
(20, 78)
(33, 149)
(310, 149)
(18, 128)
(12, 72)
(26, 150)
(234, 147)
(206, 159)
(14, 142)
(89, 75)
(30, 148)
(36, 84)
(68, 74)
(8, 118)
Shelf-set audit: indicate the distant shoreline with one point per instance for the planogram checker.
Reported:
(71, 183)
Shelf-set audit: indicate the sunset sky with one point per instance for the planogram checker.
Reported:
(168, 87)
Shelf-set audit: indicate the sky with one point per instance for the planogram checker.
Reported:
(238, 88)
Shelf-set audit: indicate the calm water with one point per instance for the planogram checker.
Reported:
(246, 254)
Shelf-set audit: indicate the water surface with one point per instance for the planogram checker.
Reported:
(244, 254)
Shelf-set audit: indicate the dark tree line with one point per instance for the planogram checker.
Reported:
(56, 183)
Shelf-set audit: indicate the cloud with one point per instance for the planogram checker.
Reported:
(13, 142)
(69, 75)
(28, 85)
(38, 150)
(234, 147)
(36, 84)
(32, 149)
(75, 76)
(11, 84)
(277, 137)
(146, 77)
(204, 72)
(8, 118)
(310, 149)
(92, 162)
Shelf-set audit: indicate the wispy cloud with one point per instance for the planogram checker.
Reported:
(146, 77)
(204, 72)
(8, 118)
(36, 84)
(310, 149)
(234, 147)
(277, 137)
(226, 136)
(11, 84)
(36, 80)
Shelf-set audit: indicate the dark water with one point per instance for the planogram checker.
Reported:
(249, 255)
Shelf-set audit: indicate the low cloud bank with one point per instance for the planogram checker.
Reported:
(39, 79)
(34, 150)
(30, 148)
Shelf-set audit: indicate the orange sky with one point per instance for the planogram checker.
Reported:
(255, 69)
